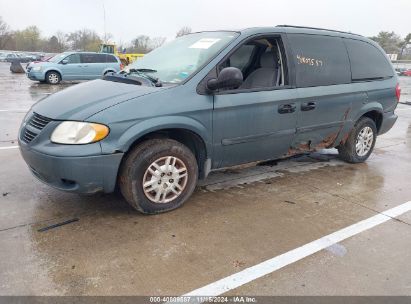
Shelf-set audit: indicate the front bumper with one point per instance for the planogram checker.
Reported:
(39, 76)
(85, 174)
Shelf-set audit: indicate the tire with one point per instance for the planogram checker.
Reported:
(105, 73)
(53, 77)
(348, 151)
(135, 171)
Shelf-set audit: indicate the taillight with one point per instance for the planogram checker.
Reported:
(121, 66)
(398, 91)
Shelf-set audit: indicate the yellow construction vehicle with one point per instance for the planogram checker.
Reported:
(125, 58)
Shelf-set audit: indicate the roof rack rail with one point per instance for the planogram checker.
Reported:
(316, 28)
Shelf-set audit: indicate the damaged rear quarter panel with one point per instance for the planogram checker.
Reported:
(330, 124)
(330, 121)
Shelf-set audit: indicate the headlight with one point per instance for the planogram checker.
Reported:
(37, 68)
(77, 133)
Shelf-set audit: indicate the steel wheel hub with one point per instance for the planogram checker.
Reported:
(364, 141)
(165, 179)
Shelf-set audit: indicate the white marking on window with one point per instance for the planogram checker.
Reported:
(204, 43)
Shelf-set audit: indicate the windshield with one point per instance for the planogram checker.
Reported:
(58, 57)
(178, 59)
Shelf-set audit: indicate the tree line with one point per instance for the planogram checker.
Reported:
(31, 40)
(394, 44)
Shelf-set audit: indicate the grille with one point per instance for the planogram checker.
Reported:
(28, 136)
(36, 123)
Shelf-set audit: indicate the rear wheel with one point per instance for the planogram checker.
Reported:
(53, 77)
(158, 175)
(360, 142)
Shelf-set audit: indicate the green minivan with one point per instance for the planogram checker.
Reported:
(210, 100)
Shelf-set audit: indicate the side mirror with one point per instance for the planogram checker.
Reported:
(64, 61)
(229, 78)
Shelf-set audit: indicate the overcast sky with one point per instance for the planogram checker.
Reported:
(126, 19)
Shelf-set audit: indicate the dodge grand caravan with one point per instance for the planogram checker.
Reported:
(73, 66)
(210, 100)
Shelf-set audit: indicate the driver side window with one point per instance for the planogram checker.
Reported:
(241, 58)
(262, 63)
(73, 58)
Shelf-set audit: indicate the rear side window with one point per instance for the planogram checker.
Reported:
(90, 58)
(111, 58)
(367, 61)
(319, 60)
(101, 58)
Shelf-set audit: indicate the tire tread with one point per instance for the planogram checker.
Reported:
(148, 148)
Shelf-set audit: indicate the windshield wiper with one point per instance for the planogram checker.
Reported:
(144, 70)
(144, 73)
(123, 78)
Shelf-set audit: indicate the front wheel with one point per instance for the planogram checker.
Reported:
(53, 77)
(360, 142)
(158, 175)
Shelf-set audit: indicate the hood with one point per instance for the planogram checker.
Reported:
(83, 100)
(40, 63)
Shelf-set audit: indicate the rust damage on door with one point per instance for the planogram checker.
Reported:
(327, 142)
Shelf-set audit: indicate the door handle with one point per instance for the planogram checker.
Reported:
(286, 108)
(308, 106)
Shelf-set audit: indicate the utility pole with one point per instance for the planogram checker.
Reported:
(104, 15)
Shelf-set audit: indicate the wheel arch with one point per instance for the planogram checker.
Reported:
(376, 116)
(184, 130)
(53, 70)
(371, 110)
(108, 70)
(374, 111)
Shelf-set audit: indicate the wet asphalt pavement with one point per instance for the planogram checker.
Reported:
(237, 218)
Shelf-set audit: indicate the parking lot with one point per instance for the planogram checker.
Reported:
(236, 219)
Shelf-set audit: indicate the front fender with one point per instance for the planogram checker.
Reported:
(160, 123)
(48, 69)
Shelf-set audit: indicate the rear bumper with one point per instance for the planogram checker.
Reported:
(388, 120)
(87, 174)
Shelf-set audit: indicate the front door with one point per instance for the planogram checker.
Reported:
(253, 126)
(258, 120)
(72, 70)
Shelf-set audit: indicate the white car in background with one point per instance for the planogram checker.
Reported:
(3, 56)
